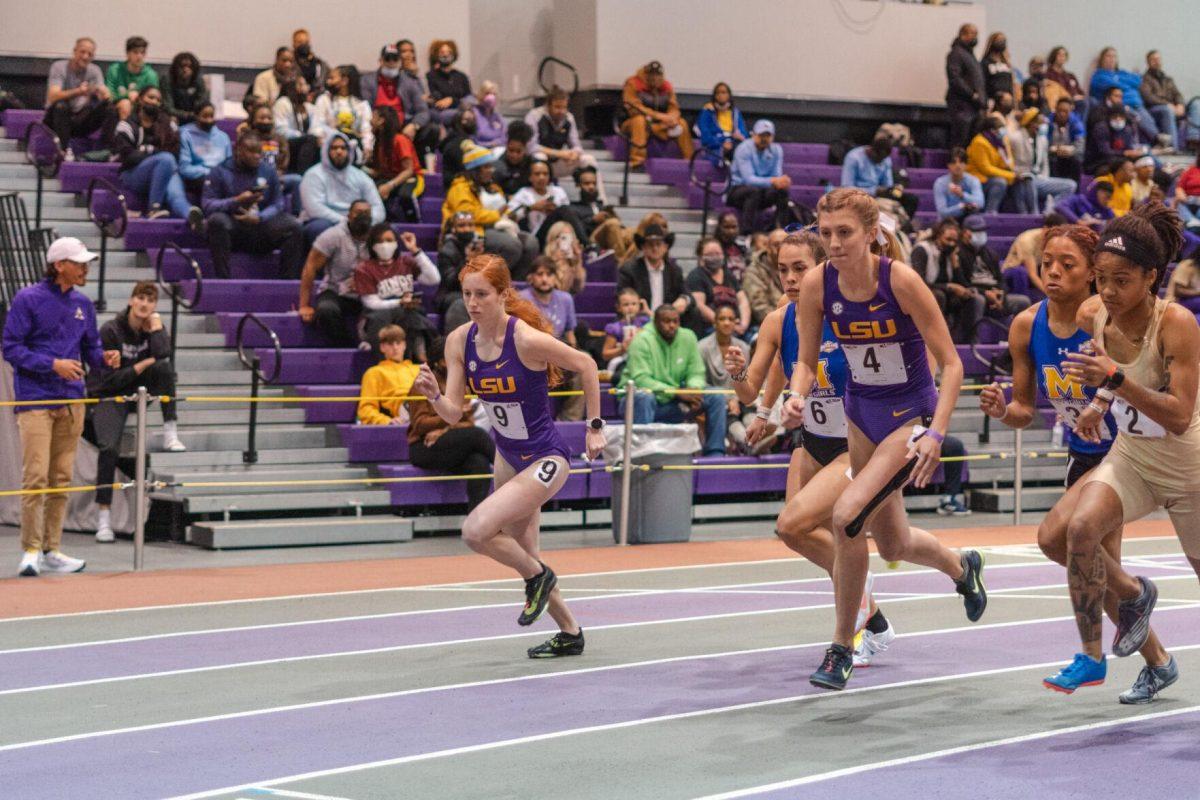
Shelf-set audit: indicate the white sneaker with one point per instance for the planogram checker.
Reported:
(29, 564)
(104, 534)
(873, 644)
(172, 444)
(58, 561)
(864, 607)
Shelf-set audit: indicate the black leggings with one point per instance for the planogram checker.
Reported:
(463, 451)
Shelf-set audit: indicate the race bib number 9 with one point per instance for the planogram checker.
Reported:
(825, 416)
(876, 364)
(1135, 423)
(507, 420)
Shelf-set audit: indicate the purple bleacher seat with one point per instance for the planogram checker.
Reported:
(320, 413)
(736, 482)
(655, 148)
(143, 234)
(287, 326)
(18, 120)
(313, 365)
(375, 443)
(805, 153)
(76, 175)
(242, 266)
(230, 126)
(998, 224)
(971, 365)
(603, 268)
(427, 493)
(260, 295)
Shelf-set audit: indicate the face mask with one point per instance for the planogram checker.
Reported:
(150, 111)
(1118, 125)
(303, 51)
(979, 238)
(489, 100)
(391, 73)
(464, 239)
(469, 128)
(331, 88)
(588, 197)
(359, 224)
(264, 127)
(385, 250)
(712, 263)
(205, 126)
(972, 43)
(446, 61)
(1000, 46)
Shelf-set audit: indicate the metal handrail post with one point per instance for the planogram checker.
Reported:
(251, 454)
(626, 467)
(101, 304)
(139, 482)
(1018, 478)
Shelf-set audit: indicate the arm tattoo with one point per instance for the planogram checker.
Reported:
(1085, 575)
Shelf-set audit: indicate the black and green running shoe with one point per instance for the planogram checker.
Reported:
(560, 644)
(537, 595)
(836, 668)
(970, 585)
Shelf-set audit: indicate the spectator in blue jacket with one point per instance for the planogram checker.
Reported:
(1067, 141)
(49, 333)
(1108, 74)
(957, 194)
(202, 146)
(869, 168)
(756, 179)
(329, 188)
(244, 208)
(720, 125)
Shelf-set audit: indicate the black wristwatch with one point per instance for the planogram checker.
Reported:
(596, 424)
(1115, 380)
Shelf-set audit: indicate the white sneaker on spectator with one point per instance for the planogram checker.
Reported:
(104, 534)
(171, 441)
(58, 561)
(157, 212)
(30, 560)
(68, 155)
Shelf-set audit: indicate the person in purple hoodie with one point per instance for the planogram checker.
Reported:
(49, 334)
(885, 318)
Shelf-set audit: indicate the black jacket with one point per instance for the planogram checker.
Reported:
(135, 346)
(964, 77)
(634, 273)
(967, 256)
(510, 178)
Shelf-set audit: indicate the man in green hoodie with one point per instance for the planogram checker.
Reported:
(664, 358)
(126, 79)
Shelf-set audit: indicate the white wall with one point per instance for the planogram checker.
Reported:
(509, 38)
(231, 32)
(1087, 26)
(815, 48)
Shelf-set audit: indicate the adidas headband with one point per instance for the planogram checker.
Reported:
(1126, 246)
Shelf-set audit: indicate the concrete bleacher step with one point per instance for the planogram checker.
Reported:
(300, 532)
(231, 505)
(257, 472)
(49, 199)
(27, 182)
(234, 438)
(199, 415)
(320, 457)
(1033, 498)
(223, 382)
(188, 323)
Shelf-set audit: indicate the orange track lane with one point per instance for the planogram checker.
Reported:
(24, 597)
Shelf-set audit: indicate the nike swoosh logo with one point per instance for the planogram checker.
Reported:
(846, 673)
(901, 413)
(526, 458)
(500, 364)
(876, 308)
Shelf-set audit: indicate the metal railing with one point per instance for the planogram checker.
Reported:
(109, 212)
(548, 61)
(254, 364)
(618, 122)
(171, 288)
(718, 171)
(44, 152)
(995, 365)
(22, 249)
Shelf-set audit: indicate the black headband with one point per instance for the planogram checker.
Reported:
(1130, 247)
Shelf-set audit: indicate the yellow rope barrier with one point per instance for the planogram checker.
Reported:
(62, 489)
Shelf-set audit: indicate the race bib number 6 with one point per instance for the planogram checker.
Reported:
(825, 416)
(876, 364)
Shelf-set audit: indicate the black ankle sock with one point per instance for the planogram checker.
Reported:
(878, 622)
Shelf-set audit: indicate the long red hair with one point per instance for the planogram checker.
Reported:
(494, 270)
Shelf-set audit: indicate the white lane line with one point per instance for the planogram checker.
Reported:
(952, 751)
(635, 723)
(542, 676)
(261, 792)
(501, 637)
(352, 592)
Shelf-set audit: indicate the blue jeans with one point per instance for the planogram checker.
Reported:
(156, 178)
(290, 183)
(1058, 188)
(1164, 118)
(1147, 125)
(994, 192)
(1193, 119)
(647, 409)
(1189, 217)
(1022, 195)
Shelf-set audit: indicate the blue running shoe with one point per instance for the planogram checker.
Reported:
(1133, 620)
(970, 585)
(835, 669)
(1083, 671)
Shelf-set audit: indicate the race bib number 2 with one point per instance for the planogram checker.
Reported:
(876, 364)
(507, 420)
(1135, 423)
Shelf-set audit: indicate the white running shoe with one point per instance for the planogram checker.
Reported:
(172, 444)
(104, 534)
(58, 561)
(873, 644)
(29, 564)
(864, 606)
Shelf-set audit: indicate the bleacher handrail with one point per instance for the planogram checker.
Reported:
(115, 226)
(706, 185)
(618, 121)
(171, 288)
(547, 61)
(46, 167)
(253, 363)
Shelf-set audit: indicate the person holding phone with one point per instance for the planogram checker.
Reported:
(244, 208)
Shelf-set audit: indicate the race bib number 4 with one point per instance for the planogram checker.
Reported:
(825, 416)
(876, 364)
(507, 420)
(1135, 423)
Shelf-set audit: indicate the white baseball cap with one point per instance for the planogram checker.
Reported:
(68, 248)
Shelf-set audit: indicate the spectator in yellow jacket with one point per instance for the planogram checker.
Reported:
(391, 378)
(474, 191)
(989, 158)
(1120, 177)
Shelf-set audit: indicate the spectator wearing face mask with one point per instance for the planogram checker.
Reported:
(990, 160)
(712, 286)
(386, 283)
(276, 153)
(311, 68)
(936, 259)
(1109, 75)
(556, 137)
(395, 167)
(721, 125)
(146, 145)
(459, 243)
(126, 80)
(997, 68)
(341, 109)
(870, 168)
(393, 85)
(1110, 139)
(512, 168)
(460, 133)
(1067, 142)
(980, 267)
(202, 147)
(294, 125)
(449, 88)
(184, 92)
(966, 90)
(329, 188)
(491, 129)
(265, 88)
(335, 255)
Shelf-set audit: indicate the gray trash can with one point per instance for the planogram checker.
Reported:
(660, 503)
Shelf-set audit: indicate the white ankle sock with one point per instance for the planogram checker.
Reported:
(105, 519)
(170, 429)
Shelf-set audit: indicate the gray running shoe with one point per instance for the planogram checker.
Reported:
(1133, 620)
(1150, 681)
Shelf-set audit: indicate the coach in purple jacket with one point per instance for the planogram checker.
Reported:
(49, 332)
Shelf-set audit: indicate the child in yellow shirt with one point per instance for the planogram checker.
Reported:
(392, 377)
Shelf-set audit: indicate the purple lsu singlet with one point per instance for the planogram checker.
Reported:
(517, 402)
(890, 382)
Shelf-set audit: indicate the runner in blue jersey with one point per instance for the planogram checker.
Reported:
(506, 356)
(884, 317)
(1040, 338)
(818, 473)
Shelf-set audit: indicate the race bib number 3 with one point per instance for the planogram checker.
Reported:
(1135, 423)
(876, 364)
(1070, 415)
(507, 420)
(825, 416)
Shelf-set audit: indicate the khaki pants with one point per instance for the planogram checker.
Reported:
(48, 441)
(636, 129)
